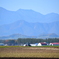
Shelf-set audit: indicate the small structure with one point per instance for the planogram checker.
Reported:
(33, 44)
(39, 44)
(54, 44)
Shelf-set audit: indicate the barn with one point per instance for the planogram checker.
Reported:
(39, 44)
(54, 44)
(33, 44)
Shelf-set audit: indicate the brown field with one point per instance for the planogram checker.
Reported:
(44, 52)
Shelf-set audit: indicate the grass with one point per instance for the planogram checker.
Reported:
(21, 51)
(9, 46)
(44, 55)
(26, 46)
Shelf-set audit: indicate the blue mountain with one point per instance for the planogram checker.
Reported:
(44, 36)
(29, 29)
(15, 36)
(27, 22)
(7, 17)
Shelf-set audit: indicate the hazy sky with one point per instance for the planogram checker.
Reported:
(42, 6)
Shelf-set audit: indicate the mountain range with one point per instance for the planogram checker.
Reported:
(16, 36)
(28, 22)
(29, 29)
(7, 17)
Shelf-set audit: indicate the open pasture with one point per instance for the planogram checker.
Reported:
(19, 51)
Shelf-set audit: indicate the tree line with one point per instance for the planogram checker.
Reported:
(35, 40)
(28, 40)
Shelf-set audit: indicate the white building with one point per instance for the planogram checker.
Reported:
(39, 44)
(36, 44)
(33, 44)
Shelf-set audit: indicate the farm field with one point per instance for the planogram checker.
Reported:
(19, 51)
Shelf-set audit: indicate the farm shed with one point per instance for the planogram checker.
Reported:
(54, 44)
(33, 44)
(39, 44)
(36, 44)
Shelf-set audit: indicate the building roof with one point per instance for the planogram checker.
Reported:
(55, 43)
(43, 43)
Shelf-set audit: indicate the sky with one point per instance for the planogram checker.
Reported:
(41, 6)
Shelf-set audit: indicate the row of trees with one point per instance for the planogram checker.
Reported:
(28, 40)
(34, 40)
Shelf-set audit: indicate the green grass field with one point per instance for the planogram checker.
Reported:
(28, 46)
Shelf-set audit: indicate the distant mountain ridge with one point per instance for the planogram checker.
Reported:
(52, 35)
(16, 36)
(29, 29)
(7, 17)
(27, 22)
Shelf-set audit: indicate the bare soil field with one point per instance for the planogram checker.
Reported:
(41, 52)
